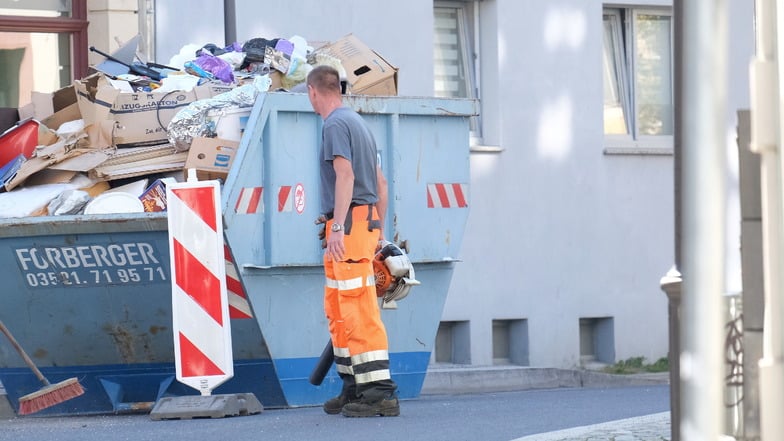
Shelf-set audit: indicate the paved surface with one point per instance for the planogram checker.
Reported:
(474, 388)
(654, 427)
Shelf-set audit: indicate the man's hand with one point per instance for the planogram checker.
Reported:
(322, 233)
(335, 247)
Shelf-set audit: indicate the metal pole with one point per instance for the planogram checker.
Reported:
(674, 293)
(703, 217)
(766, 139)
(229, 21)
(752, 266)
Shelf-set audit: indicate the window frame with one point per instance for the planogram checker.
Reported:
(467, 27)
(625, 64)
(75, 26)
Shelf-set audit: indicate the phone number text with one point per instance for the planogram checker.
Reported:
(85, 278)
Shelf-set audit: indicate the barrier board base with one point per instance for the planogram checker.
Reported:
(213, 406)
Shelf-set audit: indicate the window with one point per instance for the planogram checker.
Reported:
(454, 55)
(637, 70)
(43, 46)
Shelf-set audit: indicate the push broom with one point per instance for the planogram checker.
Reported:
(50, 394)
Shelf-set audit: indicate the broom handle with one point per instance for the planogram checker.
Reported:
(21, 352)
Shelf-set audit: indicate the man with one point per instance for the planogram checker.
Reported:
(353, 203)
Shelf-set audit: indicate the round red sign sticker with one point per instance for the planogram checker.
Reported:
(299, 198)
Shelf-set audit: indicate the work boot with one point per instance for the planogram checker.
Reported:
(389, 406)
(334, 405)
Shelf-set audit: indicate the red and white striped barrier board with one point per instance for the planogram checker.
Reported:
(447, 195)
(239, 308)
(249, 201)
(200, 307)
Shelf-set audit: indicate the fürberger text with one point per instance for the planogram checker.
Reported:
(90, 265)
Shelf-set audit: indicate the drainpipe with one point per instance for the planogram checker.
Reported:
(765, 140)
(229, 21)
(671, 284)
(703, 218)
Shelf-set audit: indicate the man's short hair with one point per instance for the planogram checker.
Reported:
(324, 79)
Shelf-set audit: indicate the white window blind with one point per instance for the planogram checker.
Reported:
(451, 73)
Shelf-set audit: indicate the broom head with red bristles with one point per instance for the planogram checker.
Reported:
(50, 395)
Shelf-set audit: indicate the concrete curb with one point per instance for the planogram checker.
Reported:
(446, 380)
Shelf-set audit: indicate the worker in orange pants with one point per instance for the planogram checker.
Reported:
(353, 203)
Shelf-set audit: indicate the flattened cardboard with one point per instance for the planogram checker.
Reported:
(50, 176)
(84, 162)
(36, 164)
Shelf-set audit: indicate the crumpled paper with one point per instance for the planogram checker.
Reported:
(191, 122)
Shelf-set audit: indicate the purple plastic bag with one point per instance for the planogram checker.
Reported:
(216, 66)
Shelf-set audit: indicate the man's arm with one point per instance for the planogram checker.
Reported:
(381, 204)
(344, 189)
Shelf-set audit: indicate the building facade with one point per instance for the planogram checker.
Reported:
(572, 208)
(571, 223)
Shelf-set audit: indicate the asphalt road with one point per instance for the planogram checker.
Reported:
(500, 416)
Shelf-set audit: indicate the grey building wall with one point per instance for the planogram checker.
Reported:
(558, 230)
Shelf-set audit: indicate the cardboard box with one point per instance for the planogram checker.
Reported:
(211, 158)
(141, 117)
(367, 72)
(53, 109)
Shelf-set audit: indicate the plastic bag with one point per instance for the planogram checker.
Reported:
(221, 69)
(255, 49)
(298, 75)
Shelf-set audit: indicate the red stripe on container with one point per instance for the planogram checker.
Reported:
(235, 286)
(255, 197)
(235, 313)
(283, 196)
(461, 200)
(197, 281)
(444, 198)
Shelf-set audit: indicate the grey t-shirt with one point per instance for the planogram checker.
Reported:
(345, 134)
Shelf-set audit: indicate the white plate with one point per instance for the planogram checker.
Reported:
(115, 202)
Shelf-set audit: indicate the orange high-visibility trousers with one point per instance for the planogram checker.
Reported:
(359, 337)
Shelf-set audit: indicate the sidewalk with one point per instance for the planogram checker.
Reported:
(654, 427)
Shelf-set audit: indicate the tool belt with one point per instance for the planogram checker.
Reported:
(373, 224)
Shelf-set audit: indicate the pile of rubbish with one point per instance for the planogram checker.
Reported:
(110, 142)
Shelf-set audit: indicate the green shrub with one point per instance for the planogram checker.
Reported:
(635, 365)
